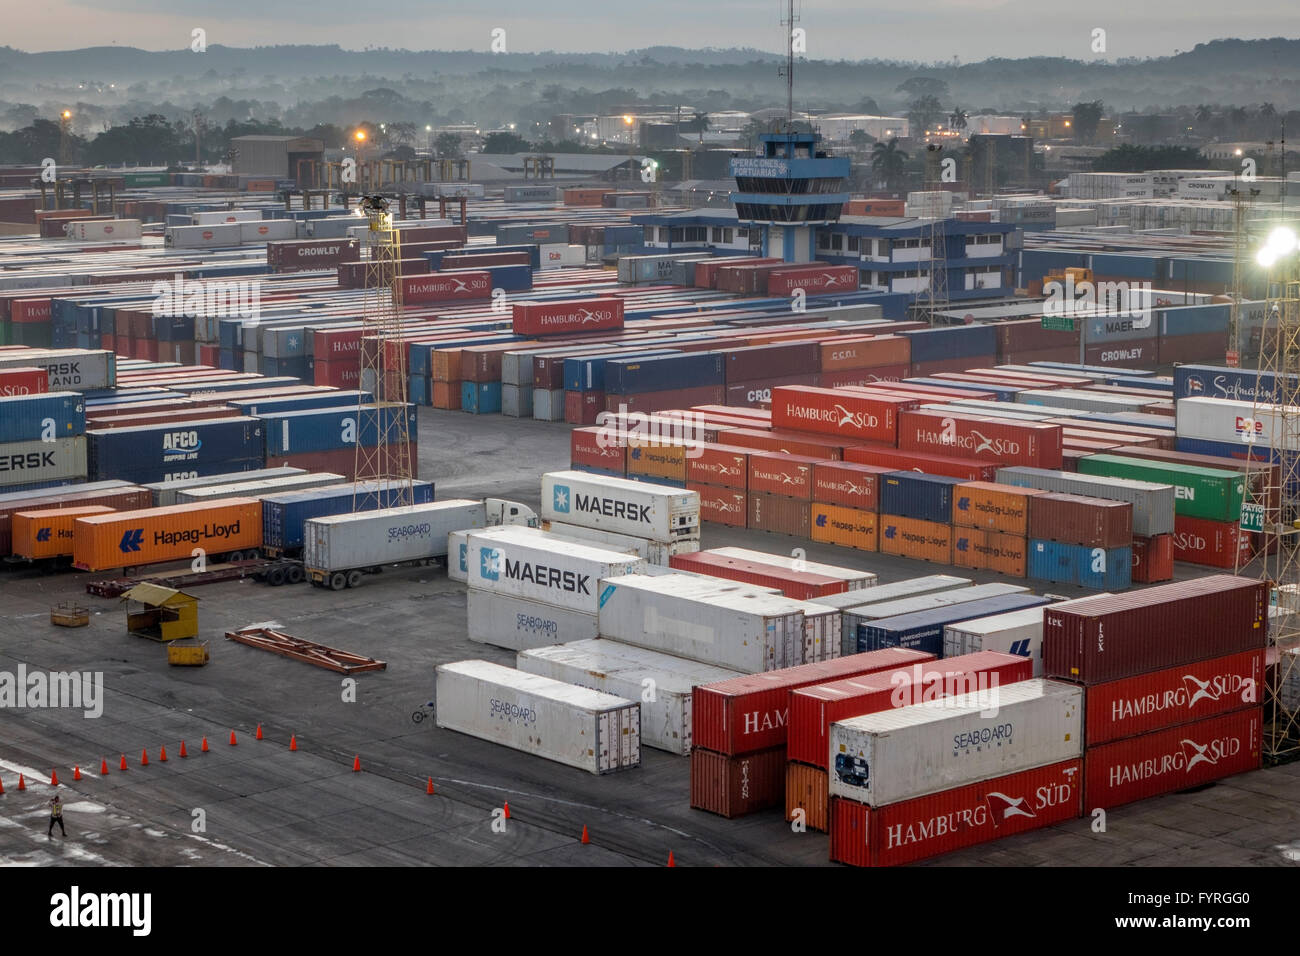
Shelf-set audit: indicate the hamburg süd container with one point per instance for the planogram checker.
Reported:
(853, 415)
(336, 544)
(720, 505)
(658, 512)
(777, 473)
(848, 484)
(855, 580)
(1005, 441)
(153, 535)
(582, 728)
(1215, 544)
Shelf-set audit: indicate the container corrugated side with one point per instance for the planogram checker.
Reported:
(855, 578)
(385, 536)
(1016, 632)
(736, 786)
(1153, 504)
(923, 630)
(540, 567)
(153, 535)
(503, 620)
(659, 512)
(807, 790)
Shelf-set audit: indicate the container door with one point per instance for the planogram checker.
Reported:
(602, 743)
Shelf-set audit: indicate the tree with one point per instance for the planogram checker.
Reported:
(957, 118)
(923, 86)
(923, 113)
(1204, 114)
(402, 134)
(447, 145)
(145, 141)
(861, 139)
(887, 162)
(505, 143)
(698, 123)
(867, 105)
(1129, 158)
(1086, 117)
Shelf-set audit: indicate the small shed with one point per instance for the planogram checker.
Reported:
(161, 614)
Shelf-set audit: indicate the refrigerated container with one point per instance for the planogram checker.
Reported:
(259, 488)
(165, 492)
(503, 620)
(854, 579)
(659, 512)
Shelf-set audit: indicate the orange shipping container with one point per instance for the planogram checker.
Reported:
(47, 533)
(446, 364)
(847, 527)
(446, 395)
(808, 789)
(993, 507)
(990, 551)
(153, 535)
(656, 460)
(911, 538)
(865, 351)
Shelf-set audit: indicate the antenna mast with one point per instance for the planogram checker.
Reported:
(789, 23)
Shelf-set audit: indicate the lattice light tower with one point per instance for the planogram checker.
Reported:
(1242, 196)
(1273, 495)
(933, 299)
(383, 420)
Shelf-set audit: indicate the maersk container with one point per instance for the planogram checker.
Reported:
(152, 453)
(42, 462)
(1210, 493)
(654, 552)
(571, 725)
(165, 492)
(855, 579)
(503, 620)
(1106, 569)
(457, 556)
(1153, 504)
(658, 512)
(41, 417)
(539, 567)
(337, 544)
(912, 587)
(923, 630)
(912, 494)
(1015, 632)
(882, 759)
(285, 514)
(259, 488)
(628, 671)
(72, 370)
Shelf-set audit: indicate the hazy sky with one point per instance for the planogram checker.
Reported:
(924, 30)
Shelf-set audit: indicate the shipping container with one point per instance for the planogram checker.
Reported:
(1153, 559)
(853, 578)
(726, 466)
(913, 538)
(335, 545)
(853, 415)
(23, 381)
(1075, 519)
(983, 550)
(73, 370)
(530, 564)
(503, 620)
(285, 514)
(258, 488)
(846, 527)
(787, 442)
(1109, 638)
(165, 492)
(61, 461)
(897, 591)
(993, 507)
(1016, 632)
(44, 534)
(117, 495)
(779, 514)
(720, 505)
(163, 452)
(154, 535)
(582, 728)
(1209, 493)
(735, 786)
(1105, 569)
(848, 484)
(1214, 544)
(1008, 442)
(589, 447)
(915, 495)
(964, 469)
(1153, 504)
(41, 417)
(923, 630)
(568, 316)
(807, 792)
(777, 473)
(645, 510)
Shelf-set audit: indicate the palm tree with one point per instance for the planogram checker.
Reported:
(1204, 113)
(701, 123)
(887, 161)
(957, 118)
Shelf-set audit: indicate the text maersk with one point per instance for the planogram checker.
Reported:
(612, 507)
(548, 577)
(28, 462)
(195, 535)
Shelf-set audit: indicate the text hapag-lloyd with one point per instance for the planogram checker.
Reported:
(1188, 695)
(969, 818)
(969, 442)
(612, 507)
(195, 535)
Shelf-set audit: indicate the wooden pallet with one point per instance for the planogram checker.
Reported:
(277, 642)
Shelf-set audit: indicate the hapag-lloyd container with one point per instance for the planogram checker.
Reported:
(1103, 639)
(533, 565)
(1008, 442)
(961, 817)
(855, 580)
(1175, 695)
(777, 473)
(813, 709)
(38, 462)
(571, 725)
(978, 549)
(846, 527)
(913, 538)
(503, 620)
(1212, 494)
(43, 534)
(153, 535)
(1016, 632)
(735, 786)
(993, 507)
(751, 713)
(1215, 544)
(118, 495)
(626, 671)
(937, 745)
(1153, 504)
(658, 512)
(848, 484)
(828, 411)
(923, 630)
(1175, 759)
(372, 539)
(1075, 519)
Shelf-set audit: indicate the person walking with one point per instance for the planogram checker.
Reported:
(56, 816)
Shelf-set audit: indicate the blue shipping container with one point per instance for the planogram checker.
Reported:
(1105, 570)
(480, 398)
(284, 515)
(329, 429)
(911, 494)
(152, 453)
(1194, 319)
(512, 278)
(631, 376)
(47, 415)
(301, 403)
(587, 374)
(952, 341)
(923, 630)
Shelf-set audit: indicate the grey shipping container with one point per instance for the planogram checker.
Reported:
(1153, 504)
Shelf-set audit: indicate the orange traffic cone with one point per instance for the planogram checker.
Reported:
(122, 766)
(2, 787)
(183, 753)
(162, 754)
(144, 758)
(76, 773)
(22, 784)
(429, 788)
(103, 767)
(232, 739)
(54, 778)
(356, 764)
(507, 810)
(204, 747)
(293, 742)
(585, 838)
(259, 731)
(671, 861)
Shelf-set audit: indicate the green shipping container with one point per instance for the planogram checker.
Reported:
(1209, 493)
(146, 179)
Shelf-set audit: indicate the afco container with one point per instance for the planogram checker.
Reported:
(910, 494)
(38, 535)
(853, 415)
(1212, 494)
(167, 452)
(1005, 441)
(41, 417)
(1109, 638)
(571, 725)
(993, 507)
(659, 512)
(153, 535)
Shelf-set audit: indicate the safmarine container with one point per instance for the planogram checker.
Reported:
(1106, 569)
(536, 566)
(41, 462)
(912, 538)
(1153, 504)
(1178, 695)
(582, 728)
(662, 513)
(153, 535)
(751, 713)
(923, 630)
(855, 580)
(42, 417)
(909, 494)
(43, 534)
(370, 539)
(1016, 632)
(165, 452)
(1176, 759)
(1108, 638)
(627, 671)
(828, 411)
(1213, 494)
(846, 527)
(286, 513)
(909, 752)
(514, 623)
(993, 507)
(1075, 519)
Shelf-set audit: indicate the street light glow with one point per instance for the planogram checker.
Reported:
(67, 114)
(1266, 257)
(360, 136)
(1282, 239)
(627, 118)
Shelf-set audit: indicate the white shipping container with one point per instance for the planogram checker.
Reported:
(1016, 632)
(560, 255)
(102, 230)
(457, 562)
(268, 230)
(214, 217)
(70, 370)
(29, 462)
(662, 683)
(657, 553)
(856, 579)
(541, 567)
(658, 512)
(257, 488)
(370, 539)
(571, 725)
(503, 620)
(912, 587)
(1079, 400)
(165, 492)
(852, 618)
(938, 745)
(1230, 420)
(202, 237)
(821, 625)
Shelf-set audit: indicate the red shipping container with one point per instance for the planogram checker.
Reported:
(865, 351)
(966, 816)
(24, 381)
(770, 362)
(1173, 696)
(813, 709)
(583, 408)
(443, 287)
(1166, 761)
(780, 474)
(782, 440)
(779, 514)
(735, 786)
(25, 311)
(799, 585)
(812, 279)
(352, 275)
(936, 393)
(1102, 639)
(854, 415)
(1032, 444)
(126, 498)
(967, 469)
(571, 315)
(1076, 519)
(725, 465)
(1153, 559)
(672, 398)
(848, 377)
(433, 234)
(718, 505)
(758, 393)
(849, 484)
(750, 713)
(596, 448)
(1214, 544)
(294, 255)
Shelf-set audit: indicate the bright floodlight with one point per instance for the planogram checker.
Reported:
(1266, 257)
(67, 114)
(627, 119)
(1282, 239)
(361, 136)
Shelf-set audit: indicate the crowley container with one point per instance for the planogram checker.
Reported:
(750, 713)
(1032, 444)
(723, 465)
(1176, 695)
(510, 622)
(23, 381)
(1016, 632)
(800, 585)
(1215, 544)
(1075, 519)
(990, 551)
(588, 447)
(117, 495)
(25, 418)
(539, 567)
(658, 512)
(627, 671)
(909, 494)
(1211, 493)
(923, 630)
(567, 316)
(300, 254)
(258, 488)
(854, 580)
(846, 527)
(1106, 569)
(571, 725)
(780, 514)
(285, 514)
(828, 411)
(721, 505)
(777, 473)
(912, 538)
(155, 453)
(153, 535)
(1169, 760)
(40, 462)
(964, 469)
(961, 817)
(38, 535)
(735, 786)
(1103, 639)
(1153, 504)
(813, 709)
(73, 370)
(1153, 559)
(993, 507)
(848, 484)
(336, 544)
(165, 492)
